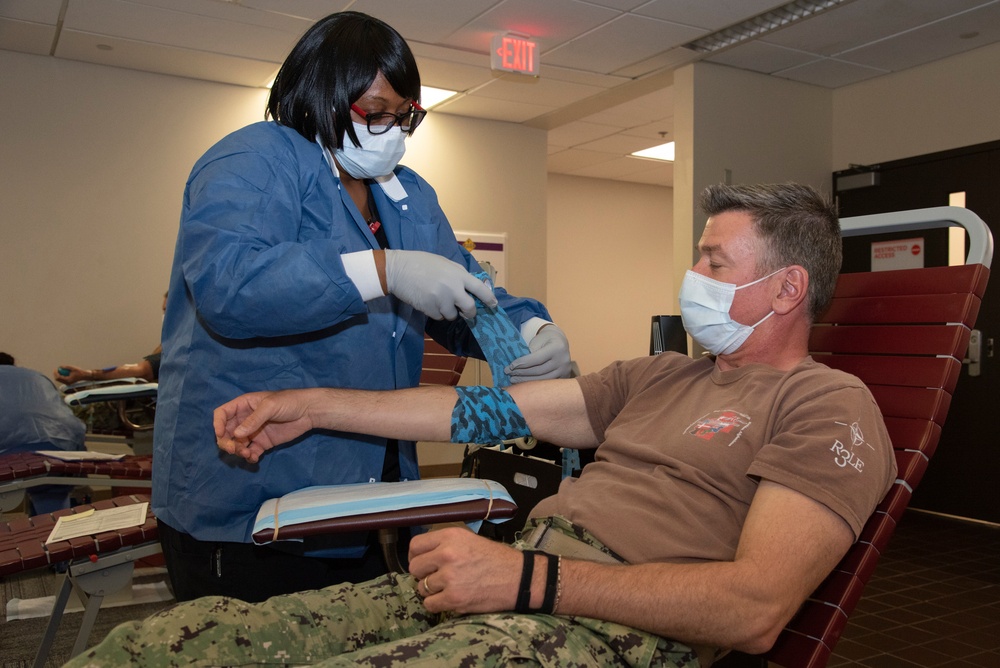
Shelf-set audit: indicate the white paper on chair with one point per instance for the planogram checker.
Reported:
(329, 501)
(95, 521)
(80, 455)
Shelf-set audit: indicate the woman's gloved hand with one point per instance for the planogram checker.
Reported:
(549, 357)
(435, 285)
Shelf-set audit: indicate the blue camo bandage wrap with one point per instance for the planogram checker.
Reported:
(498, 338)
(486, 415)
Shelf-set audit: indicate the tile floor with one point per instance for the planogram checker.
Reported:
(933, 601)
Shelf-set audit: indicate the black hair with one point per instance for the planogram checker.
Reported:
(6, 359)
(331, 67)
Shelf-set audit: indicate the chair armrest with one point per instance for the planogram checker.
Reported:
(370, 506)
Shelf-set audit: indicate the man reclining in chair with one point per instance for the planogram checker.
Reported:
(724, 489)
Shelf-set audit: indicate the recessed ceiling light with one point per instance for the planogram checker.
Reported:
(661, 152)
(429, 96)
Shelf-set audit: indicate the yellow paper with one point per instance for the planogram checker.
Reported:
(97, 521)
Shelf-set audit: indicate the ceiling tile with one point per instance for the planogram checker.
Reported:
(659, 131)
(265, 13)
(670, 59)
(169, 27)
(497, 110)
(579, 132)
(26, 37)
(451, 76)
(549, 23)
(624, 41)
(626, 168)
(760, 57)
(432, 23)
(311, 10)
(621, 5)
(830, 73)
(857, 23)
(449, 54)
(958, 34)
(548, 92)
(161, 59)
(34, 11)
(639, 111)
(711, 16)
(616, 144)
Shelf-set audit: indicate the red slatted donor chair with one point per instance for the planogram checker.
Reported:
(904, 333)
(99, 564)
(440, 366)
(20, 471)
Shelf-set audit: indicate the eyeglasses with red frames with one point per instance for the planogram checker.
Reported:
(381, 122)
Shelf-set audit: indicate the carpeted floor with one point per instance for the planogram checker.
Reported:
(20, 638)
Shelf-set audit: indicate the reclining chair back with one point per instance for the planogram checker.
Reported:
(904, 333)
(440, 366)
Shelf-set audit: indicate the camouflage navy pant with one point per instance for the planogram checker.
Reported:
(380, 623)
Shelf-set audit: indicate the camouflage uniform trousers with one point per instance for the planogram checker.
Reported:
(381, 623)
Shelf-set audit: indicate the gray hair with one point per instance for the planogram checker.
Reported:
(795, 225)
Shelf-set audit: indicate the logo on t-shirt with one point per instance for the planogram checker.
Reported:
(727, 424)
(848, 455)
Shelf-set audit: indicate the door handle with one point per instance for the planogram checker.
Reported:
(974, 356)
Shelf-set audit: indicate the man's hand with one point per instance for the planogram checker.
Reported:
(549, 357)
(251, 424)
(68, 374)
(465, 573)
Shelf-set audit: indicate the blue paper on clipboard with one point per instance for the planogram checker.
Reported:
(498, 337)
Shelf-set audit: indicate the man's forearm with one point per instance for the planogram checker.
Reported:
(788, 546)
(698, 604)
(554, 411)
(415, 414)
(254, 423)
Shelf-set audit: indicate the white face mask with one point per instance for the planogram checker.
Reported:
(705, 304)
(378, 157)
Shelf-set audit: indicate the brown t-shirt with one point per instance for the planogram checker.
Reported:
(683, 446)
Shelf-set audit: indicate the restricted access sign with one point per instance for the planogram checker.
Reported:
(897, 254)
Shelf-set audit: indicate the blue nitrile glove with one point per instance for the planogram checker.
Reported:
(434, 285)
(549, 357)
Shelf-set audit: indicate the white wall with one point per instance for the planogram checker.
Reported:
(490, 177)
(93, 162)
(610, 265)
(609, 271)
(943, 105)
(749, 128)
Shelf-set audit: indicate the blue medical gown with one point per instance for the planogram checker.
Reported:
(33, 417)
(259, 300)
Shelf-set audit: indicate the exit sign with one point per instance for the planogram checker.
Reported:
(514, 53)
